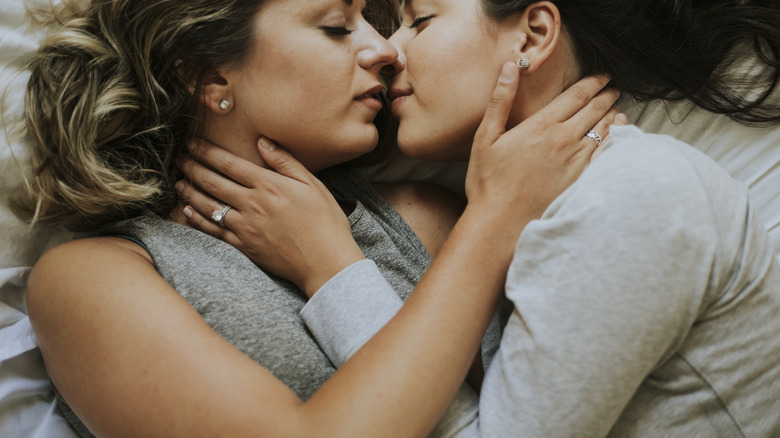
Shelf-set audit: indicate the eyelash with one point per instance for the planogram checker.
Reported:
(336, 31)
(419, 20)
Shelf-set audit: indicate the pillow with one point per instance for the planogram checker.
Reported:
(751, 155)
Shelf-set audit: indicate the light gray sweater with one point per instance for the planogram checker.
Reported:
(646, 304)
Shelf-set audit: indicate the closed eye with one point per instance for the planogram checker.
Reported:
(336, 31)
(419, 21)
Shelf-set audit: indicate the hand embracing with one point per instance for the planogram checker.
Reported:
(518, 173)
(282, 217)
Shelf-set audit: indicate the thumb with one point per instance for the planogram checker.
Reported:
(281, 161)
(494, 122)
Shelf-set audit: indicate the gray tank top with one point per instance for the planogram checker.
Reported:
(259, 313)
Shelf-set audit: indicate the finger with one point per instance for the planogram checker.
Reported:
(228, 164)
(494, 122)
(282, 162)
(213, 183)
(592, 113)
(574, 99)
(602, 129)
(206, 225)
(609, 119)
(200, 201)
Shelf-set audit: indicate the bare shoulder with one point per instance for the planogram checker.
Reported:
(81, 261)
(77, 273)
(430, 210)
(110, 327)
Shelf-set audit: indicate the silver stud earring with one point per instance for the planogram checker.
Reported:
(224, 104)
(523, 63)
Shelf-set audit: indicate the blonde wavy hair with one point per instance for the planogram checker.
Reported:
(108, 107)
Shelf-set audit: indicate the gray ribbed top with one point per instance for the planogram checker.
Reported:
(257, 312)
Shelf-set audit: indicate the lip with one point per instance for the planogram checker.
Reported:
(371, 97)
(397, 97)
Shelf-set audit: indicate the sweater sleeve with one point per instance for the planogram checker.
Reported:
(351, 308)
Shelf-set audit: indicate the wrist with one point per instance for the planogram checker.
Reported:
(328, 267)
(497, 229)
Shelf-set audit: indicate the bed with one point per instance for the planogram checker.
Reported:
(27, 404)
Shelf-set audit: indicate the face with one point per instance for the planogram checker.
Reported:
(311, 82)
(453, 58)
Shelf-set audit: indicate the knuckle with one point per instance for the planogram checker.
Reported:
(563, 139)
(498, 100)
(184, 190)
(227, 163)
(186, 165)
(197, 147)
(284, 161)
(541, 124)
(209, 183)
(601, 106)
(580, 93)
(220, 233)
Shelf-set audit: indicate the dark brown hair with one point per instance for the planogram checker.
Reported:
(723, 55)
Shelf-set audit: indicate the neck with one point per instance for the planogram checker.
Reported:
(227, 132)
(551, 78)
(221, 130)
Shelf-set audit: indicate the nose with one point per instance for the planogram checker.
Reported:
(378, 52)
(400, 62)
(396, 40)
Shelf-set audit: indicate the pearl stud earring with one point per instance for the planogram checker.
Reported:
(523, 63)
(224, 104)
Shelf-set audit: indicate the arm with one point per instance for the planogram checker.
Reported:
(622, 262)
(343, 309)
(128, 335)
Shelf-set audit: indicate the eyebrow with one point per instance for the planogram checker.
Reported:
(348, 2)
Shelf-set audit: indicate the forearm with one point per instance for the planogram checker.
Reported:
(351, 308)
(440, 326)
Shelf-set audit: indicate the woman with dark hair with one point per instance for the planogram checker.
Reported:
(646, 300)
(150, 328)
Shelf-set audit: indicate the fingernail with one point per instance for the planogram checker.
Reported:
(188, 211)
(267, 144)
(506, 73)
(180, 186)
(622, 118)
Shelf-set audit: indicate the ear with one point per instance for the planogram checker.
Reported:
(540, 26)
(215, 91)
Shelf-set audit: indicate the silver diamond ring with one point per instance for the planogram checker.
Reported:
(595, 136)
(219, 215)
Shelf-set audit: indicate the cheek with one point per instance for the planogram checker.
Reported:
(442, 124)
(296, 99)
(451, 71)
